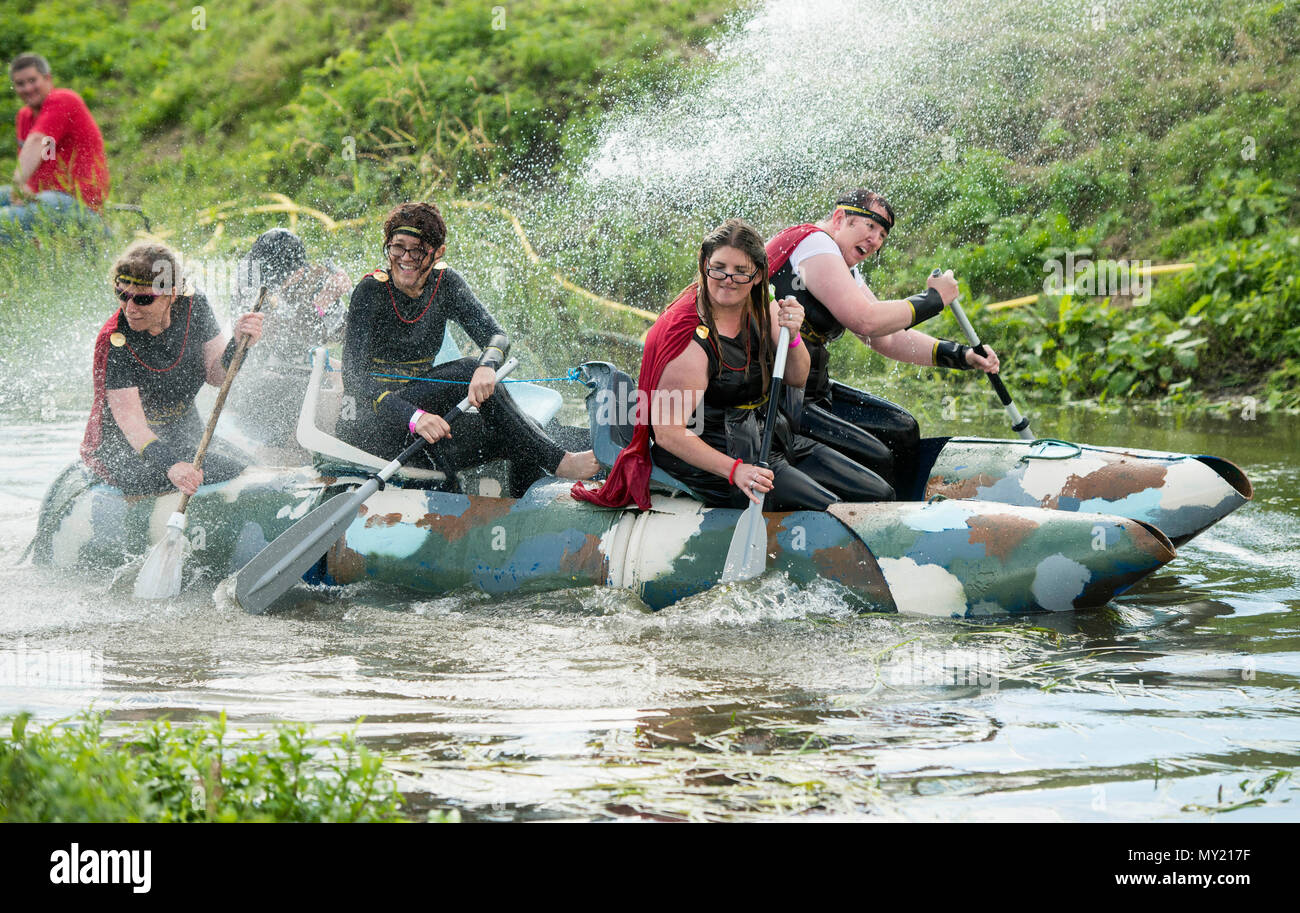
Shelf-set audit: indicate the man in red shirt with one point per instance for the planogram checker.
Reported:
(61, 168)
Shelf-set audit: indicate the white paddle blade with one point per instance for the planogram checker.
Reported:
(747, 556)
(160, 577)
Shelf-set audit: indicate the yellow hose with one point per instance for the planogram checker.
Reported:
(1163, 269)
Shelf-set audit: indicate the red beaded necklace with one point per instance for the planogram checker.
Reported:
(420, 316)
(184, 340)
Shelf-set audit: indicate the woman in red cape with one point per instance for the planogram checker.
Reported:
(152, 356)
(719, 383)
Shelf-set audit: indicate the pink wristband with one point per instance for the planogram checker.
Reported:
(414, 418)
(798, 338)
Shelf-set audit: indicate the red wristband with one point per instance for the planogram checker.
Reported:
(731, 476)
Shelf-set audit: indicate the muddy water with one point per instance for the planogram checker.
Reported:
(1177, 701)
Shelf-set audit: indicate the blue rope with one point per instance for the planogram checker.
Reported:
(573, 375)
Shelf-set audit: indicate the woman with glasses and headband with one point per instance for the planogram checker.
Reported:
(395, 326)
(818, 265)
(151, 359)
(705, 375)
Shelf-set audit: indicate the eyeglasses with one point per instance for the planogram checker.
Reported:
(739, 278)
(398, 252)
(144, 299)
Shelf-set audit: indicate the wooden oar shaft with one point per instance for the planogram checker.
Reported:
(240, 348)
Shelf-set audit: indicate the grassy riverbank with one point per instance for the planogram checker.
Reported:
(1164, 133)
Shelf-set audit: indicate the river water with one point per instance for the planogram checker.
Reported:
(1178, 701)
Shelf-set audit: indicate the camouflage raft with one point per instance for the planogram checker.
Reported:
(948, 558)
(1004, 527)
(1178, 493)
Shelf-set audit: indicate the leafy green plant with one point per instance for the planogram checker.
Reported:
(72, 772)
(1231, 204)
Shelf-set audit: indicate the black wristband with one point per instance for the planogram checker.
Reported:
(159, 455)
(951, 355)
(229, 355)
(495, 352)
(924, 306)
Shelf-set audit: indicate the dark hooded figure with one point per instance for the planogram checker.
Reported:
(305, 307)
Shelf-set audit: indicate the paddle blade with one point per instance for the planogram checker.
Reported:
(747, 556)
(279, 566)
(160, 576)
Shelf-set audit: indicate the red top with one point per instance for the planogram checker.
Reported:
(78, 167)
(629, 478)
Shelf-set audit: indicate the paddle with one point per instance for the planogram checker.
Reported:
(1019, 423)
(278, 566)
(160, 577)
(747, 556)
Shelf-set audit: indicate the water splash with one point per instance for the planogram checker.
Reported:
(800, 100)
(816, 93)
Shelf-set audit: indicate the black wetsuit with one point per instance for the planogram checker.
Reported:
(169, 371)
(880, 435)
(389, 333)
(808, 475)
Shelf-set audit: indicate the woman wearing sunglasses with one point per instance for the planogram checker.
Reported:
(151, 359)
(705, 374)
(395, 326)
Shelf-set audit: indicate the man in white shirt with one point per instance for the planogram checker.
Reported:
(818, 265)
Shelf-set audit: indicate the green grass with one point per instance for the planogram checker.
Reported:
(345, 105)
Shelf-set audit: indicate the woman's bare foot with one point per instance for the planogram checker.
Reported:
(578, 465)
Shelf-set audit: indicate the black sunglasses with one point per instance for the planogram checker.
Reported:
(144, 299)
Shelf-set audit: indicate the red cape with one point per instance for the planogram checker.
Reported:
(629, 478)
(783, 244)
(94, 435)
